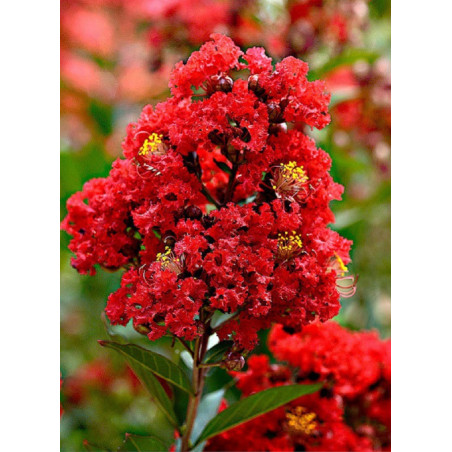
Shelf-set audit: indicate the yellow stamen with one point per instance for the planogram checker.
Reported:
(288, 179)
(151, 144)
(301, 421)
(289, 245)
(169, 261)
(292, 171)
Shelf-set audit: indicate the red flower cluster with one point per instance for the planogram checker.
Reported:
(220, 204)
(351, 412)
(364, 118)
(333, 23)
(299, 27)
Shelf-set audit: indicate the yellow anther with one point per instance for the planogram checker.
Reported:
(289, 246)
(169, 261)
(151, 144)
(301, 421)
(288, 179)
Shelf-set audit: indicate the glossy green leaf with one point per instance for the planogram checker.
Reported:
(155, 390)
(217, 352)
(157, 364)
(220, 317)
(136, 443)
(187, 359)
(147, 379)
(253, 406)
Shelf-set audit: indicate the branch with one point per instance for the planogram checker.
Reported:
(230, 188)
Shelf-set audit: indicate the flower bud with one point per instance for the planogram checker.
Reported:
(275, 129)
(234, 361)
(253, 82)
(225, 84)
(169, 239)
(179, 214)
(253, 85)
(193, 213)
(220, 83)
(207, 221)
(275, 113)
(142, 329)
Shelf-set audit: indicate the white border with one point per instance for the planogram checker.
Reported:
(29, 226)
(421, 225)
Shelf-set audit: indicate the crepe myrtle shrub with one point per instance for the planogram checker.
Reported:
(218, 214)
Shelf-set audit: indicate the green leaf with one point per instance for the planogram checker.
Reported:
(217, 352)
(219, 317)
(136, 443)
(348, 57)
(155, 390)
(253, 406)
(180, 404)
(223, 166)
(207, 410)
(147, 379)
(186, 358)
(157, 364)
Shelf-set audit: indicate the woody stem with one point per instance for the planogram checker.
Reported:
(231, 183)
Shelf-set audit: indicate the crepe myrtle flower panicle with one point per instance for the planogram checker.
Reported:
(351, 412)
(189, 218)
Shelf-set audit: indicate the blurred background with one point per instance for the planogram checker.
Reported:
(116, 56)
